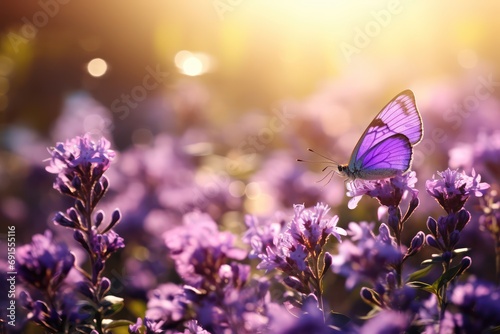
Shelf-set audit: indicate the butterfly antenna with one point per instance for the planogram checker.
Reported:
(327, 160)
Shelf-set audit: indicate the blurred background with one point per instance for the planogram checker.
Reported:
(210, 102)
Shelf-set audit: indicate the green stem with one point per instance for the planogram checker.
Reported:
(444, 298)
(318, 285)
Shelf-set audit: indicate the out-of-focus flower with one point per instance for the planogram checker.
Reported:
(484, 153)
(43, 263)
(452, 188)
(62, 313)
(490, 219)
(479, 305)
(283, 182)
(387, 322)
(261, 232)
(388, 192)
(365, 256)
(167, 303)
(310, 320)
(199, 249)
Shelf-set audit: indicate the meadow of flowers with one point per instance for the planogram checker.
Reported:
(154, 238)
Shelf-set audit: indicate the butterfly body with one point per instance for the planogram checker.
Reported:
(386, 146)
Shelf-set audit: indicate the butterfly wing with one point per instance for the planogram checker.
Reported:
(399, 116)
(386, 158)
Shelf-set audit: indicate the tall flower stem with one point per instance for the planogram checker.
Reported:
(318, 283)
(443, 296)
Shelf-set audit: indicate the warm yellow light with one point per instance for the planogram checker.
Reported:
(97, 67)
(192, 64)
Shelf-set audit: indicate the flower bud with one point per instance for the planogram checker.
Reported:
(99, 218)
(431, 241)
(463, 217)
(432, 225)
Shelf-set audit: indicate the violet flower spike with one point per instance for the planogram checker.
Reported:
(453, 188)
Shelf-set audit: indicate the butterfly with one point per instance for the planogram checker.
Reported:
(386, 146)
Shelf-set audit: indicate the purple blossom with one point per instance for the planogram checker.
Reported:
(388, 192)
(478, 303)
(452, 188)
(261, 232)
(483, 153)
(105, 244)
(43, 263)
(310, 320)
(445, 232)
(79, 158)
(167, 303)
(302, 239)
(365, 256)
(199, 249)
(387, 322)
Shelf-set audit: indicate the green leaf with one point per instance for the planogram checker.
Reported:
(436, 258)
(423, 286)
(447, 277)
(419, 273)
(111, 305)
(339, 319)
(109, 324)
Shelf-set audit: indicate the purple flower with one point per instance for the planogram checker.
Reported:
(388, 192)
(365, 256)
(261, 232)
(387, 322)
(483, 153)
(310, 320)
(452, 188)
(312, 227)
(43, 263)
(167, 303)
(192, 327)
(479, 304)
(445, 232)
(79, 159)
(105, 244)
(199, 249)
(302, 239)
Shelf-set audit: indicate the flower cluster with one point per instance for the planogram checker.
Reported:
(44, 266)
(218, 290)
(279, 280)
(296, 251)
(79, 164)
(79, 160)
(453, 188)
(366, 257)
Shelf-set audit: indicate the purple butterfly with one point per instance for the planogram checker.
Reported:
(386, 146)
